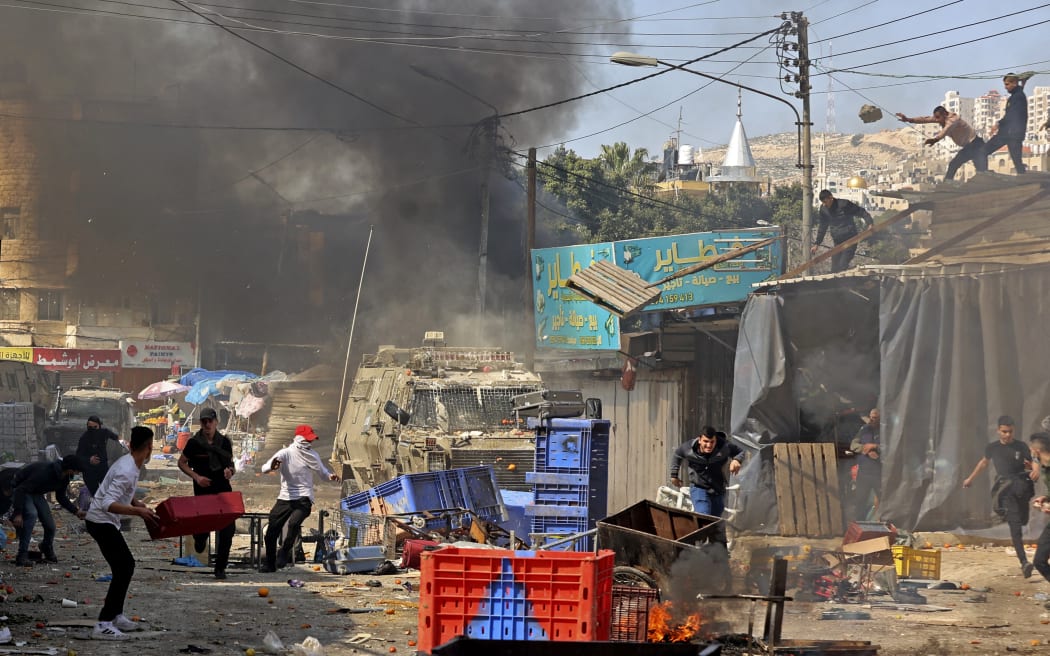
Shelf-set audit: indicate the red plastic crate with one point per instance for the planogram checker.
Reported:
(498, 594)
(630, 612)
(198, 514)
(860, 531)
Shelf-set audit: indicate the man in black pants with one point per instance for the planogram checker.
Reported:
(1013, 486)
(297, 465)
(1011, 129)
(31, 483)
(1040, 445)
(115, 496)
(92, 452)
(208, 460)
(839, 215)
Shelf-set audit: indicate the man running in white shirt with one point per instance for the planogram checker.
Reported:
(297, 463)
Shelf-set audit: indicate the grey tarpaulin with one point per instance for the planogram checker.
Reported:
(949, 348)
(761, 387)
(958, 350)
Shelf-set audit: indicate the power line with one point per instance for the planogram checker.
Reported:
(938, 49)
(950, 29)
(299, 68)
(824, 20)
(640, 79)
(655, 109)
(889, 22)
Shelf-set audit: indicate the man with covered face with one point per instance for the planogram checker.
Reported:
(91, 449)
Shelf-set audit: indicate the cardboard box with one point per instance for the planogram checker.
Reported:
(197, 514)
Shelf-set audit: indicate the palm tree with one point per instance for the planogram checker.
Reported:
(619, 159)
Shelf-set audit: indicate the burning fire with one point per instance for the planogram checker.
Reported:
(662, 626)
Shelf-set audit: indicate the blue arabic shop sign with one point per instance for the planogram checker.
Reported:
(564, 318)
(656, 258)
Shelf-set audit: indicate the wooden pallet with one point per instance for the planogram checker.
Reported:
(807, 485)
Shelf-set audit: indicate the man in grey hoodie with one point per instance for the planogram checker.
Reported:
(297, 464)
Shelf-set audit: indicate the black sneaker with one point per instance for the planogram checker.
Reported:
(220, 574)
(1026, 569)
(23, 561)
(49, 558)
(267, 569)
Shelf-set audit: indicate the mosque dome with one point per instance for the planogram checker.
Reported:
(856, 182)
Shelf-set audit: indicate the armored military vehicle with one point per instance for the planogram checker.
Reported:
(68, 420)
(413, 410)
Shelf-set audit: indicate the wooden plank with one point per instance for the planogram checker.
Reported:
(815, 453)
(965, 234)
(811, 524)
(783, 484)
(834, 491)
(828, 254)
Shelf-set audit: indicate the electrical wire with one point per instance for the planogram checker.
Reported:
(656, 109)
(824, 20)
(940, 32)
(315, 76)
(890, 22)
(941, 48)
(640, 79)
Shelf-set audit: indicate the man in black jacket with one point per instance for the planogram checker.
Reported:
(91, 449)
(1012, 127)
(208, 460)
(706, 457)
(31, 483)
(838, 215)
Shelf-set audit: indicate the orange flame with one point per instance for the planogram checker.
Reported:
(662, 627)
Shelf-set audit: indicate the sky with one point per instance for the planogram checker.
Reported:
(689, 29)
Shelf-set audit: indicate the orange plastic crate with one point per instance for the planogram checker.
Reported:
(498, 594)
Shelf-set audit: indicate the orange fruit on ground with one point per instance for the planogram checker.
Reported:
(389, 611)
(965, 586)
(264, 592)
(511, 467)
(411, 643)
(392, 650)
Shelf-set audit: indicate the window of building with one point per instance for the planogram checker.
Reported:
(162, 312)
(10, 220)
(49, 306)
(10, 304)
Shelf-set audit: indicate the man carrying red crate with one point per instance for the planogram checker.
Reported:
(208, 460)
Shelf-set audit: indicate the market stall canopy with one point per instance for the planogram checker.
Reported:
(206, 383)
(161, 390)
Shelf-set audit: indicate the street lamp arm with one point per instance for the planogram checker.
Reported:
(798, 118)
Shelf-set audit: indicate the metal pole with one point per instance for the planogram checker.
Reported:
(530, 243)
(353, 322)
(807, 146)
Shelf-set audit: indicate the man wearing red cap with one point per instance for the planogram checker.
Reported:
(297, 464)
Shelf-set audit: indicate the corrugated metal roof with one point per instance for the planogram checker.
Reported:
(980, 183)
(900, 271)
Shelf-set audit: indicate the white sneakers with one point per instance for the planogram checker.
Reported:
(106, 631)
(125, 624)
(114, 630)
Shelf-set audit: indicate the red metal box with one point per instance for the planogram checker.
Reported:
(203, 514)
(412, 549)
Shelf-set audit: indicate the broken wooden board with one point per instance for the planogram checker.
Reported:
(807, 488)
(624, 292)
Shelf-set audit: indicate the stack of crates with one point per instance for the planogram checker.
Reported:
(571, 479)
(498, 594)
(467, 488)
(17, 432)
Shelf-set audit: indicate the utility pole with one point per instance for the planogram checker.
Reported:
(488, 136)
(807, 133)
(530, 243)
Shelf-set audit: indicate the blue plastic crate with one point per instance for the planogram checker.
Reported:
(472, 488)
(557, 495)
(550, 529)
(572, 445)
